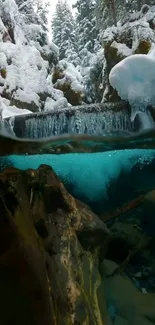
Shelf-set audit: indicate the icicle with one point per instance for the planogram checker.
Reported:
(144, 116)
(92, 123)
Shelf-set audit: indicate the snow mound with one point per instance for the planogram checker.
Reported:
(134, 80)
(51, 104)
(8, 111)
(26, 73)
(13, 110)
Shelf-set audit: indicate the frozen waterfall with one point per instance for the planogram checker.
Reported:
(88, 119)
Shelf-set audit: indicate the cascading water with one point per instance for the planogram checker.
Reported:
(80, 123)
(144, 115)
(88, 119)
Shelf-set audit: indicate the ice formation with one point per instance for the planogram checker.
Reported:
(134, 80)
(73, 121)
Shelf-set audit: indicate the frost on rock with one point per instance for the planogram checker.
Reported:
(26, 58)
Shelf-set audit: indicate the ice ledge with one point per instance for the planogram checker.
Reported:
(86, 119)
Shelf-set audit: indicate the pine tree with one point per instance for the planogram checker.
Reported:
(136, 5)
(42, 9)
(35, 12)
(109, 12)
(86, 24)
(63, 28)
(87, 31)
(26, 7)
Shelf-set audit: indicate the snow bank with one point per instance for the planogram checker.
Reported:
(7, 111)
(134, 79)
(13, 110)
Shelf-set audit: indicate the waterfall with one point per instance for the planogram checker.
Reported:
(87, 119)
(144, 116)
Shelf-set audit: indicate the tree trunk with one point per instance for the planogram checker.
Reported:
(113, 9)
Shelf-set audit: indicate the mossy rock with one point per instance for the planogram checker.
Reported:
(57, 74)
(49, 253)
(126, 37)
(19, 104)
(112, 55)
(143, 47)
(73, 97)
(3, 73)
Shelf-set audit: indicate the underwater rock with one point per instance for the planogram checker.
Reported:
(130, 306)
(132, 243)
(25, 297)
(48, 260)
(104, 180)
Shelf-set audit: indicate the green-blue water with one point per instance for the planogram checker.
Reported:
(102, 180)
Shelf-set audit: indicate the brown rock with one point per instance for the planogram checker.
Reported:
(63, 83)
(75, 98)
(48, 256)
(131, 305)
(143, 47)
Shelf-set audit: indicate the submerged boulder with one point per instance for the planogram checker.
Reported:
(48, 260)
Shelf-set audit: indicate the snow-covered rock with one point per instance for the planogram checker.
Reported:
(135, 35)
(7, 111)
(26, 59)
(134, 80)
(68, 79)
(51, 104)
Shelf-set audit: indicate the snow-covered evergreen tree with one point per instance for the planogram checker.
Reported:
(86, 24)
(26, 8)
(35, 12)
(63, 28)
(136, 5)
(42, 9)
(109, 12)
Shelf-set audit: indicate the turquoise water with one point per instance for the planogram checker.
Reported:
(102, 180)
